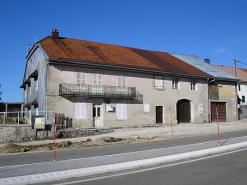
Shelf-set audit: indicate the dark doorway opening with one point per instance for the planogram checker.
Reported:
(159, 114)
(183, 111)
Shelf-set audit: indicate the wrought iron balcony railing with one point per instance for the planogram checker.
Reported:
(96, 90)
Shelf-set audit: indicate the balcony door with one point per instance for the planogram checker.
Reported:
(121, 84)
(97, 115)
(97, 84)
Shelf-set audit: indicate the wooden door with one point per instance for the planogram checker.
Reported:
(159, 114)
(221, 106)
(183, 111)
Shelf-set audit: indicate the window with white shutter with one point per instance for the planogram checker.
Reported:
(158, 82)
(81, 78)
(80, 110)
(81, 81)
(121, 111)
(96, 79)
(121, 83)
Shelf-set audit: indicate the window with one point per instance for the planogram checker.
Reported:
(239, 87)
(175, 83)
(30, 92)
(121, 83)
(243, 99)
(121, 111)
(97, 83)
(81, 82)
(37, 85)
(80, 111)
(80, 78)
(158, 82)
(37, 111)
(193, 84)
(25, 93)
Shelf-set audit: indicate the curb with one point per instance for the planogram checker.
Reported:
(81, 172)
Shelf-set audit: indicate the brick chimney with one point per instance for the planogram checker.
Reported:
(55, 33)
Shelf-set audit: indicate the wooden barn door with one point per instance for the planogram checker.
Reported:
(183, 111)
(221, 106)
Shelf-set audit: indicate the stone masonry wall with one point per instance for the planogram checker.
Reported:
(26, 133)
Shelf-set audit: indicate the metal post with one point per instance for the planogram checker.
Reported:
(171, 122)
(4, 118)
(54, 136)
(218, 125)
(18, 118)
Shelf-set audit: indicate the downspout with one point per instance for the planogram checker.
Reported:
(236, 92)
(208, 99)
(46, 81)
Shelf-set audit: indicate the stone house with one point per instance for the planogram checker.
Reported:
(222, 88)
(241, 87)
(104, 85)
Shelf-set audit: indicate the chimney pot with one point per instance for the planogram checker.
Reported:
(207, 60)
(55, 33)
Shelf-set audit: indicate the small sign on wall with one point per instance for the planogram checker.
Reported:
(38, 122)
(146, 107)
(201, 108)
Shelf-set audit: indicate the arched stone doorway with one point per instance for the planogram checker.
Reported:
(183, 111)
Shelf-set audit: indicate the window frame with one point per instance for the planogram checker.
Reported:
(193, 85)
(175, 83)
(158, 82)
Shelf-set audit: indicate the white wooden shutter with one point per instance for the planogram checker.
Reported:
(158, 82)
(83, 110)
(124, 110)
(121, 111)
(80, 110)
(80, 78)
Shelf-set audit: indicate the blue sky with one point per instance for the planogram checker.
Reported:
(217, 28)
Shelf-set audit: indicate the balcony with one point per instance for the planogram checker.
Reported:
(96, 91)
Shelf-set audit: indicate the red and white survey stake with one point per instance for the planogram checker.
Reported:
(171, 122)
(54, 135)
(218, 125)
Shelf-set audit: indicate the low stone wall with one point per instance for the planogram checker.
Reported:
(242, 112)
(26, 133)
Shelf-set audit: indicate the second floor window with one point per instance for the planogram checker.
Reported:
(96, 79)
(175, 83)
(80, 78)
(158, 82)
(193, 85)
(239, 87)
(121, 83)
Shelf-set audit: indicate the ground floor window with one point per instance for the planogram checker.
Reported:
(80, 110)
(121, 111)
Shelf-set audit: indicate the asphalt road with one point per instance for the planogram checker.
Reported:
(222, 169)
(28, 158)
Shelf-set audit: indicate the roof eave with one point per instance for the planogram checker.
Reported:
(63, 62)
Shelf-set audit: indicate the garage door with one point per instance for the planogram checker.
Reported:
(221, 106)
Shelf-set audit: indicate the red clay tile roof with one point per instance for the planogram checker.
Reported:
(67, 49)
(245, 70)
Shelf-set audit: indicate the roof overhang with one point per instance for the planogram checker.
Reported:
(123, 68)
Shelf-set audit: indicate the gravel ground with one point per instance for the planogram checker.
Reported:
(123, 136)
